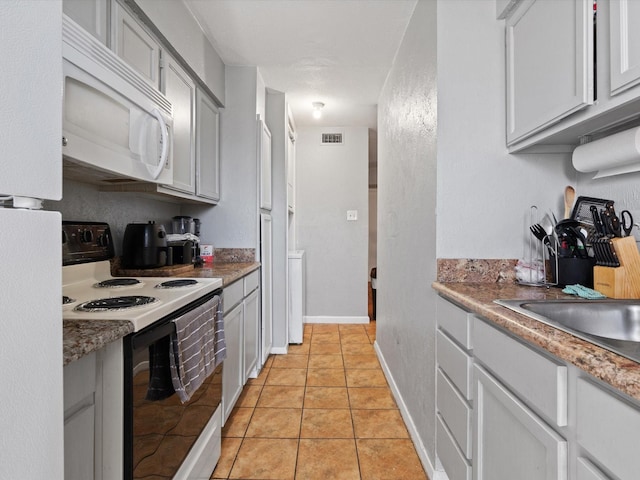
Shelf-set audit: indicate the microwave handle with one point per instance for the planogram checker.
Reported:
(156, 170)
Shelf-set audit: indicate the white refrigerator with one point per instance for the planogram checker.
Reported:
(31, 416)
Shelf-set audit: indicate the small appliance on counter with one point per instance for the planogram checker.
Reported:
(145, 246)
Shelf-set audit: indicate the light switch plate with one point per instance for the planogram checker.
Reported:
(352, 215)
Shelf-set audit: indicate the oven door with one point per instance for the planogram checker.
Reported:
(165, 438)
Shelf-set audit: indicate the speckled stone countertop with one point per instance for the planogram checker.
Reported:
(229, 272)
(619, 372)
(83, 337)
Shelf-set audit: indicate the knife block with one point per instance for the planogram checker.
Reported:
(623, 281)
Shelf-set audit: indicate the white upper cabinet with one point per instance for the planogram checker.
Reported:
(549, 64)
(135, 45)
(624, 18)
(207, 147)
(92, 15)
(180, 90)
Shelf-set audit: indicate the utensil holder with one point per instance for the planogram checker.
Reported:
(573, 270)
(621, 282)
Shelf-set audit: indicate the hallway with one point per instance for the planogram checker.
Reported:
(323, 411)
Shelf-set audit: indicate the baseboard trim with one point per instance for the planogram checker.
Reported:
(427, 464)
(326, 319)
(279, 350)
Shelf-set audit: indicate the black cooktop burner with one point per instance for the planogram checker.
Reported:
(117, 282)
(182, 282)
(67, 300)
(115, 303)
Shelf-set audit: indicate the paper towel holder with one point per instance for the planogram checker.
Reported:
(615, 154)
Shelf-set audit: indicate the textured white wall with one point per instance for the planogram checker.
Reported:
(233, 223)
(85, 202)
(329, 181)
(484, 193)
(407, 161)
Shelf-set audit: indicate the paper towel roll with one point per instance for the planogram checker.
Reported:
(612, 155)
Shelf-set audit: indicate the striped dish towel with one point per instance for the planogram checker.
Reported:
(197, 347)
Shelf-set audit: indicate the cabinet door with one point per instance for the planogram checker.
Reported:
(251, 334)
(549, 64)
(232, 380)
(79, 459)
(134, 45)
(624, 18)
(264, 157)
(207, 151)
(181, 92)
(92, 15)
(510, 440)
(267, 280)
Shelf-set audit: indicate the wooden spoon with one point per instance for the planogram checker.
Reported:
(569, 197)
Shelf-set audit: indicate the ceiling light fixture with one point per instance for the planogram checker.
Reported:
(317, 109)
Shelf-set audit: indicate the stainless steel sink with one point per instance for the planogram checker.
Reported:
(611, 324)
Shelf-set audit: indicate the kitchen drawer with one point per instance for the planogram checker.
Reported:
(251, 282)
(79, 383)
(455, 363)
(536, 378)
(233, 295)
(455, 321)
(608, 427)
(586, 471)
(450, 456)
(455, 412)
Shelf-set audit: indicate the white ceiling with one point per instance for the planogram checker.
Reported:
(333, 51)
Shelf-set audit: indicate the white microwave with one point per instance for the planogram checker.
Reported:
(113, 121)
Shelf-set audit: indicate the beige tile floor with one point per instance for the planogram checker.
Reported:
(323, 411)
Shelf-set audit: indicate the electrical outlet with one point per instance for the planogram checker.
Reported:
(352, 215)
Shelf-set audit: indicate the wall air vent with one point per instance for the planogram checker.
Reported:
(332, 139)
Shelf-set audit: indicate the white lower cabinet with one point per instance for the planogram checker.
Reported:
(79, 415)
(527, 415)
(232, 372)
(93, 392)
(251, 334)
(241, 331)
(607, 428)
(511, 441)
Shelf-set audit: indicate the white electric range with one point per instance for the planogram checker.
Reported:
(151, 304)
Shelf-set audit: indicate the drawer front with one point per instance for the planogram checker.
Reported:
(233, 295)
(586, 471)
(535, 377)
(251, 282)
(455, 363)
(455, 412)
(455, 321)
(452, 458)
(608, 428)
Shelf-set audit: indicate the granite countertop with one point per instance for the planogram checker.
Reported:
(81, 337)
(229, 272)
(619, 372)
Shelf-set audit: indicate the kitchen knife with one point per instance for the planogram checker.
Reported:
(597, 223)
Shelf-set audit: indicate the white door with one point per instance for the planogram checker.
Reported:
(207, 151)
(264, 156)
(267, 280)
(181, 92)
